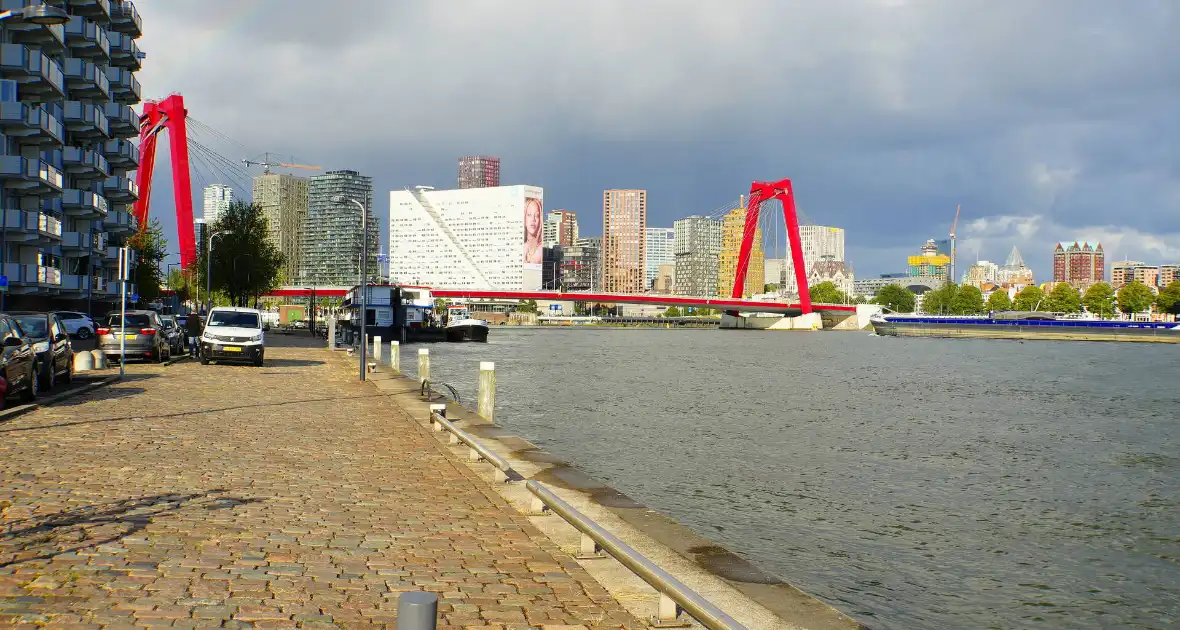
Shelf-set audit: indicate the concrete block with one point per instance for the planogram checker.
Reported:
(83, 362)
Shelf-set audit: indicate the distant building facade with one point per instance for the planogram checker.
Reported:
(217, 199)
(696, 248)
(659, 245)
(283, 199)
(819, 242)
(1014, 273)
(929, 263)
(479, 171)
(561, 228)
(624, 226)
(733, 227)
(582, 265)
(1081, 266)
(981, 273)
(331, 244)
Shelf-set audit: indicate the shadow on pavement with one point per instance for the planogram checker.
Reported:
(110, 393)
(46, 536)
(182, 414)
(292, 362)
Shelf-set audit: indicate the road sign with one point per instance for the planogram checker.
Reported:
(134, 297)
(3, 284)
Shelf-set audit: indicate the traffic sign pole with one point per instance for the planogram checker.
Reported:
(124, 260)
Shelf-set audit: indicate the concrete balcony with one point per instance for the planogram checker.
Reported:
(39, 77)
(120, 190)
(97, 10)
(125, 52)
(125, 87)
(20, 225)
(87, 80)
(48, 230)
(99, 242)
(124, 122)
(110, 256)
(75, 284)
(119, 221)
(87, 40)
(100, 285)
(85, 164)
(125, 18)
(75, 242)
(83, 204)
(87, 122)
(121, 154)
(51, 39)
(49, 277)
(32, 124)
(30, 177)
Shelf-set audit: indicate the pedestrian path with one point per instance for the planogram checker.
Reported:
(291, 495)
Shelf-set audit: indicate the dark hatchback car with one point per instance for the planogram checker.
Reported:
(55, 353)
(18, 363)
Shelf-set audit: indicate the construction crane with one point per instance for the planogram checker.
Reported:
(266, 164)
(954, 226)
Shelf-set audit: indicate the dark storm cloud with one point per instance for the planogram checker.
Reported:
(1054, 117)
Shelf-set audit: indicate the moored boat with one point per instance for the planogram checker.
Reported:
(1024, 325)
(461, 327)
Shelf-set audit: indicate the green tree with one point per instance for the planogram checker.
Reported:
(150, 248)
(770, 288)
(1099, 300)
(1064, 298)
(827, 293)
(895, 298)
(999, 301)
(672, 312)
(968, 300)
(1135, 297)
(528, 306)
(940, 301)
(1168, 301)
(245, 263)
(1028, 299)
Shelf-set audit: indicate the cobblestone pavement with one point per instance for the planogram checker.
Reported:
(289, 495)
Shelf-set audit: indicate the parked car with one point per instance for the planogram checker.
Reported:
(77, 324)
(143, 334)
(51, 342)
(233, 334)
(18, 363)
(174, 333)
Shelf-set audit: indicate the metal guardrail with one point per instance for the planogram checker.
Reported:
(476, 451)
(674, 595)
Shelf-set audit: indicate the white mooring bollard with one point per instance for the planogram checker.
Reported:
(83, 362)
(331, 333)
(423, 365)
(487, 390)
(100, 360)
(395, 356)
(377, 348)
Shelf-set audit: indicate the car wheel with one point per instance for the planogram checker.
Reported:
(30, 393)
(84, 333)
(47, 380)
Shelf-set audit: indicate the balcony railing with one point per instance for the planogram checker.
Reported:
(50, 175)
(86, 120)
(98, 10)
(85, 164)
(124, 123)
(84, 204)
(125, 52)
(37, 74)
(33, 124)
(86, 80)
(121, 189)
(87, 39)
(49, 275)
(75, 283)
(51, 38)
(121, 153)
(125, 87)
(125, 18)
(98, 284)
(99, 242)
(50, 225)
(75, 240)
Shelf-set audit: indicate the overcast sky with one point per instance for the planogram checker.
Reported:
(1046, 119)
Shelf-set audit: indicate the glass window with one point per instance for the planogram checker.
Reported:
(5, 330)
(133, 320)
(233, 319)
(34, 325)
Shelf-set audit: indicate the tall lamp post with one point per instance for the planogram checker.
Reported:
(209, 270)
(364, 284)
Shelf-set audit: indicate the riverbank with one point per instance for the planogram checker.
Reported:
(743, 590)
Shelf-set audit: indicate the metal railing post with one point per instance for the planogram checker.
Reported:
(423, 365)
(417, 610)
(395, 356)
(487, 390)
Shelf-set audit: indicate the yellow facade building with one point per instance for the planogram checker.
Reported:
(733, 227)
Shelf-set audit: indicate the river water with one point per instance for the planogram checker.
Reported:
(912, 483)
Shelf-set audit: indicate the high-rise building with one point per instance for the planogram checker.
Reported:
(819, 242)
(1124, 271)
(283, 199)
(582, 266)
(982, 273)
(200, 234)
(218, 197)
(331, 245)
(561, 228)
(1079, 266)
(929, 263)
(67, 152)
(696, 249)
(479, 171)
(624, 259)
(658, 247)
(1168, 274)
(481, 238)
(1014, 273)
(733, 227)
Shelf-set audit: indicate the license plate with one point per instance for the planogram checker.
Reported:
(232, 349)
(130, 337)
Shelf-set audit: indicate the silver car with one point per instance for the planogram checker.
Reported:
(144, 336)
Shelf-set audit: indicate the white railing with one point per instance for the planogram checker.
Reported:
(50, 225)
(50, 175)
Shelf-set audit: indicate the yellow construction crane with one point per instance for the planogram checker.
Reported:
(266, 164)
(954, 226)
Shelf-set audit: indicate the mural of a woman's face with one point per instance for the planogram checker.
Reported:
(532, 217)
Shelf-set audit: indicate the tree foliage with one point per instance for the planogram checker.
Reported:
(828, 293)
(672, 312)
(968, 300)
(1135, 297)
(895, 298)
(940, 301)
(1168, 301)
(245, 263)
(999, 301)
(1064, 298)
(151, 248)
(1099, 300)
(528, 306)
(1029, 299)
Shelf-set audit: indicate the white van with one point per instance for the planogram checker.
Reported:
(233, 334)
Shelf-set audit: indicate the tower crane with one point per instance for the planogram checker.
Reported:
(954, 226)
(266, 164)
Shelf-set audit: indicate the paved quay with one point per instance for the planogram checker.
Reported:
(291, 495)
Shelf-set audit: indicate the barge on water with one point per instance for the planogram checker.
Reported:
(1021, 325)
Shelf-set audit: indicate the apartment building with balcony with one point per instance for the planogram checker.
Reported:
(66, 153)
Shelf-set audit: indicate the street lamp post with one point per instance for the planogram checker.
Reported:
(364, 285)
(42, 14)
(209, 270)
